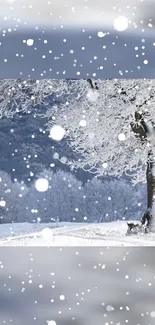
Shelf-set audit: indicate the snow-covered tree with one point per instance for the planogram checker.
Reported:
(108, 123)
(21, 95)
(122, 200)
(95, 207)
(111, 125)
(112, 200)
(64, 196)
(11, 195)
(61, 202)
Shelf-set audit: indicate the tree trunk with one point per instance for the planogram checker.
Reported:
(141, 130)
(150, 178)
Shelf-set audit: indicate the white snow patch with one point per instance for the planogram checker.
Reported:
(47, 233)
(92, 95)
(72, 234)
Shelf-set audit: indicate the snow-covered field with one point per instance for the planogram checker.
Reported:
(71, 234)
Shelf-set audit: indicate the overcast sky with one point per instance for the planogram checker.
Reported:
(76, 12)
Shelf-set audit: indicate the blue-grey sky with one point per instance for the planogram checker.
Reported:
(77, 39)
(63, 53)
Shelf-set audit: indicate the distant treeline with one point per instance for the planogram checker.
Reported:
(67, 200)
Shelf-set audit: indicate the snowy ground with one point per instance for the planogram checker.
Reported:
(71, 234)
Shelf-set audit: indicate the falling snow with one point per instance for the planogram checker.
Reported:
(38, 41)
(121, 137)
(41, 185)
(152, 314)
(51, 322)
(83, 123)
(121, 23)
(30, 42)
(110, 308)
(104, 40)
(105, 165)
(2, 203)
(57, 133)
